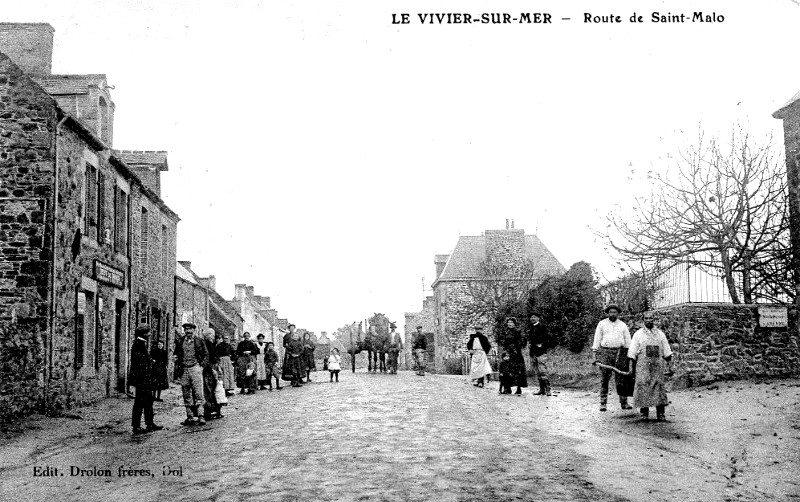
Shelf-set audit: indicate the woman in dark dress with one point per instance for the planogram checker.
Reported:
(308, 356)
(212, 409)
(246, 359)
(293, 363)
(513, 342)
(159, 355)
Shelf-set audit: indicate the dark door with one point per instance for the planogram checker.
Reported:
(119, 344)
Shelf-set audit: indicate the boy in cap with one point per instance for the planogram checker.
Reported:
(141, 380)
(611, 341)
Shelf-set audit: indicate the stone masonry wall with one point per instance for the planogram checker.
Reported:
(78, 381)
(723, 341)
(27, 116)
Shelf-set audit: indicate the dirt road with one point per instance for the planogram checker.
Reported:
(404, 437)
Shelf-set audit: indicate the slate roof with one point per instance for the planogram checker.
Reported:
(781, 113)
(470, 251)
(185, 274)
(157, 158)
(68, 84)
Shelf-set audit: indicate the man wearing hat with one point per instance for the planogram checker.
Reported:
(141, 380)
(611, 341)
(394, 347)
(419, 345)
(191, 356)
(538, 341)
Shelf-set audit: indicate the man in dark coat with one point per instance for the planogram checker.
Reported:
(538, 341)
(420, 346)
(142, 380)
(191, 356)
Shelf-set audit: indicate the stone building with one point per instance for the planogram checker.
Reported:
(75, 262)
(259, 316)
(197, 301)
(462, 272)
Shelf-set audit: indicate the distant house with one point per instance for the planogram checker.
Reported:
(461, 272)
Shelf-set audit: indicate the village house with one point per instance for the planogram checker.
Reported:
(259, 316)
(197, 301)
(87, 248)
(461, 275)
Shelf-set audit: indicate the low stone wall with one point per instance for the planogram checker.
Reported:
(724, 342)
(710, 342)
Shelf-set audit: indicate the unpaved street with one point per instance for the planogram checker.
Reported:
(404, 437)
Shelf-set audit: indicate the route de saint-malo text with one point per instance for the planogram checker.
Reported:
(548, 18)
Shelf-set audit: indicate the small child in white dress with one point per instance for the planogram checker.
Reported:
(335, 363)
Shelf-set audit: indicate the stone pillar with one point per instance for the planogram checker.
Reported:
(790, 114)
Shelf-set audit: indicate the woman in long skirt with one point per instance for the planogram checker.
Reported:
(651, 352)
(513, 342)
(293, 362)
(246, 360)
(308, 356)
(261, 367)
(478, 346)
(212, 408)
(224, 351)
(159, 356)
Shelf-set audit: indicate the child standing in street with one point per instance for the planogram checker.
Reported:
(506, 378)
(335, 363)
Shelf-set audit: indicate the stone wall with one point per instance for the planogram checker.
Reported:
(723, 341)
(81, 243)
(30, 45)
(26, 231)
(190, 304)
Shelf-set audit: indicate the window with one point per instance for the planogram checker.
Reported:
(164, 252)
(86, 326)
(102, 232)
(80, 322)
(90, 204)
(121, 224)
(98, 333)
(143, 243)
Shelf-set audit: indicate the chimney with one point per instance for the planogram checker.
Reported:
(250, 291)
(440, 261)
(147, 164)
(506, 223)
(186, 264)
(241, 292)
(512, 223)
(505, 246)
(29, 45)
(212, 282)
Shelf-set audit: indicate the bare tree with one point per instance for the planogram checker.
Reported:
(722, 209)
(497, 284)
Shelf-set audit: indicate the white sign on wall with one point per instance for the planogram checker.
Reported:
(773, 317)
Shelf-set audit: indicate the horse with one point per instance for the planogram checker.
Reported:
(374, 346)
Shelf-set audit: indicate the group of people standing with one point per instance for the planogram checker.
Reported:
(511, 369)
(639, 364)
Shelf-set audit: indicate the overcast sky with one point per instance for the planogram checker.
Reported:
(324, 155)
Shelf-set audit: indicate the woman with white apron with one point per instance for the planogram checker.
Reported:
(651, 352)
(478, 346)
